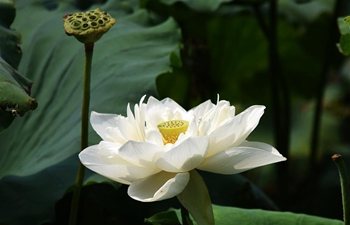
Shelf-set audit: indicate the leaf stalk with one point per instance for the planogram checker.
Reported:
(345, 186)
(316, 124)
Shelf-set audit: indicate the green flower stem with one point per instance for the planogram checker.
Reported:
(195, 199)
(345, 186)
(89, 47)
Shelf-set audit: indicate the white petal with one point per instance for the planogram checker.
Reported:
(129, 113)
(140, 118)
(185, 156)
(103, 153)
(173, 106)
(108, 148)
(154, 136)
(202, 109)
(191, 131)
(140, 153)
(154, 110)
(158, 187)
(248, 120)
(127, 129)
(100, 122)
(136, 123)
(114, 135)
(165, 110)
(220, 114)
(239, 159)
(235, 131)
(104, 160)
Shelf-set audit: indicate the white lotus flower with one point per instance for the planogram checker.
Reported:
(154, 148)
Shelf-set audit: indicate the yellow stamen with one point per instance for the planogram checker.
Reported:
(171, 130)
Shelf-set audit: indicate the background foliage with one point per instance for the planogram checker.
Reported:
(281, 54)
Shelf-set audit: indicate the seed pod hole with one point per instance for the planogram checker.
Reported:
(76, 23)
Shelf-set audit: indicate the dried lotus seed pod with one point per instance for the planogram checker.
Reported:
(88, 27)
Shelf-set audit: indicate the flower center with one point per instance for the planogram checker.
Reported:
(171, 130)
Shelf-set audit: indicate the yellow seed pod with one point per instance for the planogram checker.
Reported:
(88, 27)
(172, 129)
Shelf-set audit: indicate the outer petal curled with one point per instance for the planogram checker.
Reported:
(158, 187)
(103, 159)
(247, 156)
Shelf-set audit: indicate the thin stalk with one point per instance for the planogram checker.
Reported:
(322, 86)
(84, 132)
(272, 39)
(345, 186)
(260, 19)
(279, 94)
(270, 35)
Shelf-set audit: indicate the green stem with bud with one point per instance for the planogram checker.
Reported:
(345, 186)
(89, 47)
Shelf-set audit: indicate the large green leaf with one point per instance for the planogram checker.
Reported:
(236, 190)
(14, 88)
(30, 200)
(105, 205)
(9, 38)
(126, 61)
(305, 13)
(125, 64)
(231, 215)
(14, 100)
(164, 218)
(291, 9)
(201, 6)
